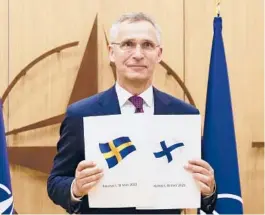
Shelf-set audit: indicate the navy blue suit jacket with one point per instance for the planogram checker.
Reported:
(70, 148)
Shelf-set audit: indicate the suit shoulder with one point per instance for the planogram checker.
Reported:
(84, 107)
(180, 106)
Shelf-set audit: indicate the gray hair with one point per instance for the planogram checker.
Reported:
(133, 17)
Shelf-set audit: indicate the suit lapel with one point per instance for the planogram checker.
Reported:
(108, 103)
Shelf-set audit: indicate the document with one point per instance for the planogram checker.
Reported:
(143, 160)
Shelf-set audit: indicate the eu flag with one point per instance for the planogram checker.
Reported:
(116, 150)
(219, 143)
(6, 198)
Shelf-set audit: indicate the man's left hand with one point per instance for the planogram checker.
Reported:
(204, 174)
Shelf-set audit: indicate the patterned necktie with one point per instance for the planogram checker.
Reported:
(138, 102)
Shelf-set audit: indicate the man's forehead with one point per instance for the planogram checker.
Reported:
(137, 30)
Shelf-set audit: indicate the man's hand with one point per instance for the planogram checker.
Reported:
(87, 174)
(204, 174)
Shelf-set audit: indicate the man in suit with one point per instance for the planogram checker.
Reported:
(135, 48)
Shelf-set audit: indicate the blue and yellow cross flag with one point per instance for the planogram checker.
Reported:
(116, 150)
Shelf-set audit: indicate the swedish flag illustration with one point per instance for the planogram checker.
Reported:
(116, 150)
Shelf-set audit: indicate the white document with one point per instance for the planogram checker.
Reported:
(169, 184)
(143, 158)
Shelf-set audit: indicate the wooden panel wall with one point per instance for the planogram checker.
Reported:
(35, 28)
(243, 27)
(39, 26)
(3, 45)
(4, 51)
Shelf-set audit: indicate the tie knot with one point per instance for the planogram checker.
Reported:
(138, 102)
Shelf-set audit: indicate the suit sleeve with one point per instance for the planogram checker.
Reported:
(70, 151)
(208, 203)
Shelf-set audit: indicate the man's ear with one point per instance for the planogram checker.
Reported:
(159, 54)
(111, 54)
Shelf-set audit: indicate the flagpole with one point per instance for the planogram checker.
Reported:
(218, 7)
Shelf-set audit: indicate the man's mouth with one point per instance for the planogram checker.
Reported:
(137, 66)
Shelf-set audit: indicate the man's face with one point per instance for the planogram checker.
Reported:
(136, 53)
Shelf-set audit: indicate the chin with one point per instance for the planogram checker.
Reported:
(141, 74)
(138, 79)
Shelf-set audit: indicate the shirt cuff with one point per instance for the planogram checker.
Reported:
(73, 197)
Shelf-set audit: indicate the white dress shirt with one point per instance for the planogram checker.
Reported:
(127, 107)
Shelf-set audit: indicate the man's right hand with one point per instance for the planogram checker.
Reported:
(87, 174)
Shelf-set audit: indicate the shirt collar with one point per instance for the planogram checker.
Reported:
(124, 95)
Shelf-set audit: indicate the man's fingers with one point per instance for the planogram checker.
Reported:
(88, 172)
(202, 163)
(197, 169)
(205, 190)
(85, 184)
(207, 180)
(85, 164)
(90, 179)
(87, 187)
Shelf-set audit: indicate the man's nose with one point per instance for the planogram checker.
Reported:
(138, 53)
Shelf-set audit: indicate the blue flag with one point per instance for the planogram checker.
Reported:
(219, 143)
(6, 198)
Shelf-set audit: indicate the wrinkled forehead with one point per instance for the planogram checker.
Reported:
(141, 30)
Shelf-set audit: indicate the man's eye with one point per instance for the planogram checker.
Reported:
(127, 44)
(148, 45)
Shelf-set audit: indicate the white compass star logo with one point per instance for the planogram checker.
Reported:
(225, 196)
(4, 205)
